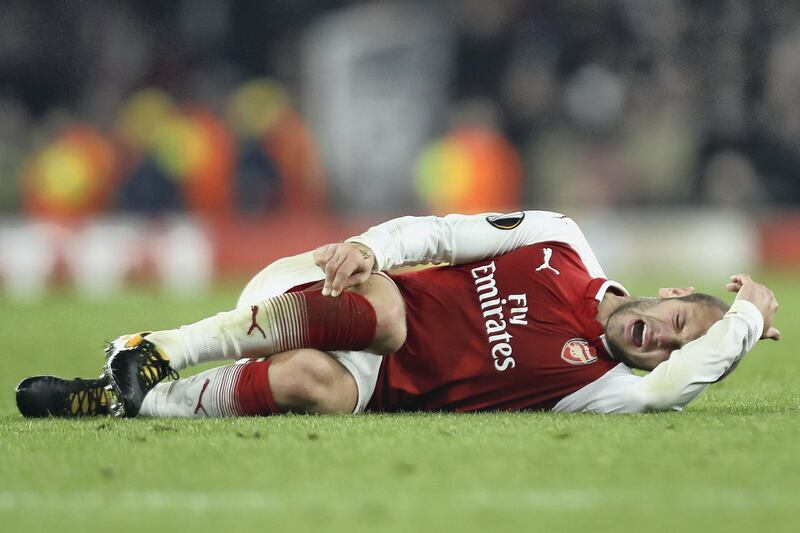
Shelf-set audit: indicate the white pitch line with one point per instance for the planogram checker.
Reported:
(131, 500)
(695, 497)
(538, 499)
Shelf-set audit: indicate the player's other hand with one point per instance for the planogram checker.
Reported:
(760, 296)
(345, 265)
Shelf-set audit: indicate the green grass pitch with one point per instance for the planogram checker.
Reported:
(730, 462)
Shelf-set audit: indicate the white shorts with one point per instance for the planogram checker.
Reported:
(364, 367)
(282, 275)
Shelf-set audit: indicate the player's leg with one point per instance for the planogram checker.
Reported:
(151, 364)
(370, 318)
(302, 381)
(146, 366)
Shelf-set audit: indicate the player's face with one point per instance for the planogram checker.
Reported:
(645, 332)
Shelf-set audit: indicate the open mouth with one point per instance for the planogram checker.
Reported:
(638, 332)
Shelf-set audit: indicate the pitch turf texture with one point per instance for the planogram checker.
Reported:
(728, 463)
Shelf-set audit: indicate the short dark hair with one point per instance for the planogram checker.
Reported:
(707, 299)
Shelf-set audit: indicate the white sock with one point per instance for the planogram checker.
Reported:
(255, 331)
(222, 336)
(201, 342)
(208, 394)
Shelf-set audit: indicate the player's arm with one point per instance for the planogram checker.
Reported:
(681, 378)
(688, 371)
(453, 239)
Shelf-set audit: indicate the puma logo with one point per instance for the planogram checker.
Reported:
(254, 325)
(548, 253)
(200, 399)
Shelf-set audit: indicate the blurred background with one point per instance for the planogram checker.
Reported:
(181, 143)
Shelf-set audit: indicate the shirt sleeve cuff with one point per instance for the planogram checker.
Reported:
(750, 314)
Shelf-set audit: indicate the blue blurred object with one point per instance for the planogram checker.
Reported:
(148, 190)
(257, 180)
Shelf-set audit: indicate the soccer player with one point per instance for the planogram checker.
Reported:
(522, 317)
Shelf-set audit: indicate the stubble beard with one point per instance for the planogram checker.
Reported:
(617, 351)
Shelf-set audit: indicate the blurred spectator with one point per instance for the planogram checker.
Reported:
(72, 177)
(611, 103)
(147, 186)
(180, 157)
(278, 161)
(471, 170)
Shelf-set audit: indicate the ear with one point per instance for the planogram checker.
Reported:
(675, 292)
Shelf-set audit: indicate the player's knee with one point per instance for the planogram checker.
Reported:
(309, 381)
(390, 314)
(390, 331)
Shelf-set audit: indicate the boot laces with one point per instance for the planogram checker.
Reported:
(87, 400)
(154, 369)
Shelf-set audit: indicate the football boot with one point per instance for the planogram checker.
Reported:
(134, 366)
(41, 396)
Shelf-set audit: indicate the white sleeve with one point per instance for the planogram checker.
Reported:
(681, 378)
(459, 239)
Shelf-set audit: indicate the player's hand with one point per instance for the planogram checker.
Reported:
(346, 264)
(760, 296)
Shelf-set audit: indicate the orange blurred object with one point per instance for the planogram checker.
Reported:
(208, 184)
(262, 108)
(472, 170)
(291, 146)
(195, 149)
(72, 177)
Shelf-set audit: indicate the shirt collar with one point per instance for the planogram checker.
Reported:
(598, 289)
(609, 284)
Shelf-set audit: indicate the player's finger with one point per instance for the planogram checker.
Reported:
(342, 275)
(741, 279)
(733, 286)
(772, 333)
(323, 254)
(331, 268)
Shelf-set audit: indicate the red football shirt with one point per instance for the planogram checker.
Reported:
(510, 332)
